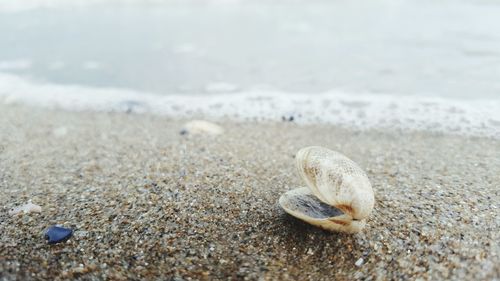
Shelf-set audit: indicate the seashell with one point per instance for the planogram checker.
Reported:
(26, 208)
(200, 127)
(338, 196)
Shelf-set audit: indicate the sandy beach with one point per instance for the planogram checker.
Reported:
(146, 202)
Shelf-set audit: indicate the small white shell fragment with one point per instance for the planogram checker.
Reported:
(26, 208)
(201, 127)
(359, 262)
(338, 196)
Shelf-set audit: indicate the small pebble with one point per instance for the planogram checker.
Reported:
(26, 208)
(201, 127)
(56, 234)
(359, 262)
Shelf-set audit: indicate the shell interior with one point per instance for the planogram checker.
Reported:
(312, 207)
(304, 205)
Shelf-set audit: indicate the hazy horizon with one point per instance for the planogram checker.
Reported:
(428, 49)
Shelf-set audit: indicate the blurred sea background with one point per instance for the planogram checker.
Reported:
(432, 65)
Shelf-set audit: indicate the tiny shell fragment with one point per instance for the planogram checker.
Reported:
(201, 127)
(26, 208)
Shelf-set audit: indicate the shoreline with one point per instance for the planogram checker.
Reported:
(146, 202)
(360, 111)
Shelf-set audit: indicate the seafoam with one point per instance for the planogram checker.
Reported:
(360, 111)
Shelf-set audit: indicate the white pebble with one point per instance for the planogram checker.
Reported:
(359, 262)
(26, 208)
(202, 127)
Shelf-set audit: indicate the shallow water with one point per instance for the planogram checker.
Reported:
(449, 49)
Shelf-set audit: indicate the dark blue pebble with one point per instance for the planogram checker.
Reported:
(56, 234)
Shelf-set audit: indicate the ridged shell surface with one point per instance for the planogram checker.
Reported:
(336, 180)
(338, 196)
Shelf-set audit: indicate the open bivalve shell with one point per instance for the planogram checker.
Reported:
(338, 196)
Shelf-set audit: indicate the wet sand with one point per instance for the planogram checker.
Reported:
(146, 202)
